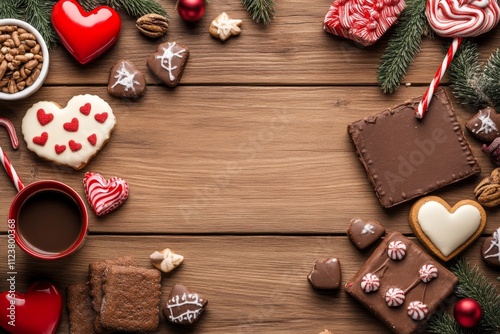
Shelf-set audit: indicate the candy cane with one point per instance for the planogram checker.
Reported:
(11, 171)
(11, 131)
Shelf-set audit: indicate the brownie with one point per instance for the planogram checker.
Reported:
(131, 299)
(80, 310)
(405, 157)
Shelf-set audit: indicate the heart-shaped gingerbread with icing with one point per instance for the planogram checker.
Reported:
(104, 195)
(72, 135)
(446, 231)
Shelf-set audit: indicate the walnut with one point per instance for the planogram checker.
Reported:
(488, 190)
(152, 25)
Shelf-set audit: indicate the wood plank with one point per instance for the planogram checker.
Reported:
(292, 50)
(262, 160)
(254, 284)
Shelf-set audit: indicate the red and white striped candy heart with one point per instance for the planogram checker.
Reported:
(104, 195)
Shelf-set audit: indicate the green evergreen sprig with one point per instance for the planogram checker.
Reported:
(37, 13)
(403, 45)
(473, 84)
(471, 284)
(11, 9)
(260, 10)
(134, 8)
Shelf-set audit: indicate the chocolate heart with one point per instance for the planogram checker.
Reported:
(485, 125)
(168, 63)
(38, 311)
(363, 234)
(85, 35)
(104, 196)
(326, 274)
(125, 80)
(491, 249)
(184, 307)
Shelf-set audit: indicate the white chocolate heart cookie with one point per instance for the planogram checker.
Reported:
(444, 230)
(72, 135)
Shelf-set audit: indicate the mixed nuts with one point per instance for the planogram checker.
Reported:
(21, 59)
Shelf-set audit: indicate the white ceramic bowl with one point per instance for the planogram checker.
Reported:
(45, 68)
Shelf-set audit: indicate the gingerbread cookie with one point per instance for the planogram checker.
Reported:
(69, 136)
(485, 125)
(446, 231)
(125, 80)
(223, 27)
(168, 63)
(364, 233)
(491, 249)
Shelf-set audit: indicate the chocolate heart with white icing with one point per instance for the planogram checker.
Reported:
(125, 80)
(183, 306)
(485, 125)
(490, 251)
(364, 233)
(168, 63)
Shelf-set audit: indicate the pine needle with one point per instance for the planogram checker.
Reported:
(491, 75)
(11, 9)
(403, 45)
(37, 13)
(138, 8)
(260, 10)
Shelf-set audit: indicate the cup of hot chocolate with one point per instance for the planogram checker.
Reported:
(49, 220)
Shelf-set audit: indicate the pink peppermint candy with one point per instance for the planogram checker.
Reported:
(394, 297)
(370, 283)
(428, 272)
(363, 21)
(396, 250)
(417, 310)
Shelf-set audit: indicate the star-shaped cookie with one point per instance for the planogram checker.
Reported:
(224, 27)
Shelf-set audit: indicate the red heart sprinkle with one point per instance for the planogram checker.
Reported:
(92, 139)
(43, 117)
(60, 148)
(101, 118)
(42, 139)
(71, 126)
(85, 109)
(74, 146)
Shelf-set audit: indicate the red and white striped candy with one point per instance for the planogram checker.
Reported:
(428, 272)
(394, 297)
(417, 310)
(104, 195)
(370, 283)
(396, 250)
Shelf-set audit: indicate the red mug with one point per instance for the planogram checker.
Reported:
(49, 220)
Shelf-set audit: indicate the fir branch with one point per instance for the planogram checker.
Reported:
(134, 8)
(37, 13)
(465, 74)
(260, 10)
(444, 323)
(403, 45)
(88, 5)
(11, 9)
(491, 75)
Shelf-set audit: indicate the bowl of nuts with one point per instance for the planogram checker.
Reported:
(24, 59)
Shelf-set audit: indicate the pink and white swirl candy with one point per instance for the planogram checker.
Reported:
(417, 310)
(104, 195)
(428, 272)
(396, 250)
(394, 297)
(370, 283)
(462, 18)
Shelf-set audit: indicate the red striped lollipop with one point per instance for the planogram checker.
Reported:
(457, 19)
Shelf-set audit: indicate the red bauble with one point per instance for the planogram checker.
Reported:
(467, 312)
(191, 10)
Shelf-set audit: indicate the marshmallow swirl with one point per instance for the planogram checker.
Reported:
(462, 18)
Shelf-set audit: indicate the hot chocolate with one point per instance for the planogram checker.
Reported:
(50, 221)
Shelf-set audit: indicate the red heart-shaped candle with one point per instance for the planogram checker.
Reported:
(38, 311)
(86, 35)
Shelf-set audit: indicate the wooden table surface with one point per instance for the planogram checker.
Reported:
(245, 168)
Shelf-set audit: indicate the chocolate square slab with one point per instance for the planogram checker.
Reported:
(403, 272)
(406, 157)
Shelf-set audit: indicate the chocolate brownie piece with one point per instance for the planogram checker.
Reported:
(131, 299)
(80, 310)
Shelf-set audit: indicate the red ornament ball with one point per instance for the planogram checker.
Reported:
(191, 10)
(467, 312)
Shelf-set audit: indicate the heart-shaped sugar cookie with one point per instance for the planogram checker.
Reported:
(446, 231)
(104, 195)
(72, 135)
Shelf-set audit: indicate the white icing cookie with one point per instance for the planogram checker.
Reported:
(447, 231)
(72, 135)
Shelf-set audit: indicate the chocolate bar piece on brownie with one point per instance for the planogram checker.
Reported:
(80, 310)
(131, 299)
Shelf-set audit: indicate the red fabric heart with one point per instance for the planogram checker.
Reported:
(44, 118)
(85, 109)
(38, 311)
(92, 139)
(74, 146)
(101, 118)
(42, 139)
(60, 148)
(71, 126)
(85, 35)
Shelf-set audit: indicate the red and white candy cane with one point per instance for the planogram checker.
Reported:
(11, 131)
(456, 19)
(11, 172)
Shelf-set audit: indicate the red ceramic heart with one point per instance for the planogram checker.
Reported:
(86, 35)
(38, 311)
